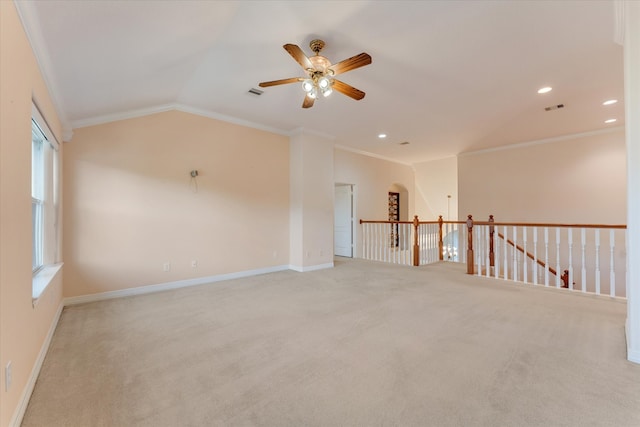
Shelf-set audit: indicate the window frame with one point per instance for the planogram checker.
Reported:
(45, 202)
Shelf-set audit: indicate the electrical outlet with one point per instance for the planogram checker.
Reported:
(8, 377)
(194, 263)
(166, 266)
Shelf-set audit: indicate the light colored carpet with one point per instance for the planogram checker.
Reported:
(363, 344)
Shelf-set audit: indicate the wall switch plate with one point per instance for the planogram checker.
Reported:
(194, 263)
(166, 266)
(8, 376)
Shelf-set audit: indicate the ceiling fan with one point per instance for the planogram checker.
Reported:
(320, 73)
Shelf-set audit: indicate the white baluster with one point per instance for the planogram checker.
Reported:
(498, 253)
(476, 252)
(612, 272)
(506, 250)
(483, 258)
(570, 232)
(558, 272)
(583, 241)
(515, 254)
(535, 256)
(546, 256)
(378, 238)
(597, 261)
(486, 246)
(408, 244)
(364, 241)
(524, 255)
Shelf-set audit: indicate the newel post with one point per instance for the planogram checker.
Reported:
(440, 244)
(469, 244)
(416, 246)
(492, 256)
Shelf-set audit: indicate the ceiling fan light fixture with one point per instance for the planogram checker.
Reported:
(307, 85)
(324, 83)
(320, 63)
(319, 73)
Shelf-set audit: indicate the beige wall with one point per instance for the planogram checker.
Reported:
(372, 178)
(435, 181)
(311, 194)
(577, 180)
(23, 327)
(132, 206)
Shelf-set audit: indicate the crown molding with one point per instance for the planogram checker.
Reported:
(124, 115)
(618, 16)
(31, 25)
(542, 141)
(368, 154)
(304, 131)
(147, 111)
(229, 119)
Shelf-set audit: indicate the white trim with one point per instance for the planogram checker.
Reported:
(632, 355)
(543, 141)
(31, 25)
(147, 111)
(170, 285)
(42, 279)
(310, 268)
(366, 153)
(131, 114)
(20, 410)
(229, 119)
(304, 131)
(43, 125)
(618, 30)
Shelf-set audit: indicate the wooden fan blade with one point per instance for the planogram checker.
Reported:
(299, 56)
(351, 63)
(308, 102)
(348, 90)
(280, 82)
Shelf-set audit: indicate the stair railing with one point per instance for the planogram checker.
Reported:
(524, 252)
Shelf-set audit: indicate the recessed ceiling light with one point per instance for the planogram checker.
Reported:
(544, 89)
(382, 135)
(610, 102)
(610, 121)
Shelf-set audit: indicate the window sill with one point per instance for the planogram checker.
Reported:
(42, 279)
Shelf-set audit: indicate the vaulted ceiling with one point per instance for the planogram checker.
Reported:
(447, 76)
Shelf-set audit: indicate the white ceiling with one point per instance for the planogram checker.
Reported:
(447, 76)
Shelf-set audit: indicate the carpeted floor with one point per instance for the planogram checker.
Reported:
(363, 344)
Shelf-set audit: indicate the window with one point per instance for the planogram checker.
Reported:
(44, 202)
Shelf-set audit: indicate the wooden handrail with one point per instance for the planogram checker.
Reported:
(529, 255)
(363, 221)
(537, 224)
(492, 224)
(367, 221)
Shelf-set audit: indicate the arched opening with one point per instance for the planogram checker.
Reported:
(398, 204)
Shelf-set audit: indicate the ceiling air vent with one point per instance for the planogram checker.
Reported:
(554, 107)
(256, 91)
(403, 143)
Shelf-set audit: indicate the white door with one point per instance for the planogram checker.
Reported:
(343, 234)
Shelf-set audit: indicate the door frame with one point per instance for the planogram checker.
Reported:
(353, 216)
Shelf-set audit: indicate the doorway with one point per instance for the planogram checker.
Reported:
(343, 221)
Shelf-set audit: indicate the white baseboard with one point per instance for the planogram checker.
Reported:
(170, 285)
(311, 267)
(632, 355)
(18, 415)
